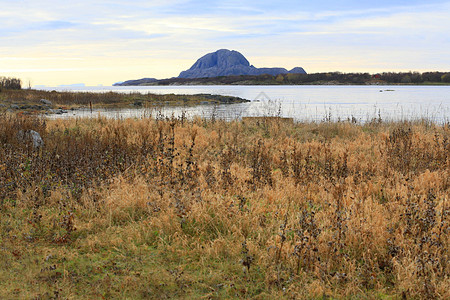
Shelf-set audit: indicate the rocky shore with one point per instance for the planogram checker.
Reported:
(45, 107)
(36, 102)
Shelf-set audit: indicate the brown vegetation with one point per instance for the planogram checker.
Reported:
(109, 99)
(174, 208)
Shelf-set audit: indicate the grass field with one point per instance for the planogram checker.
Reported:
(265, 209)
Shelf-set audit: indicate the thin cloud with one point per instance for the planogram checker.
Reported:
(40, 58)
(32, 70)
(152, 38)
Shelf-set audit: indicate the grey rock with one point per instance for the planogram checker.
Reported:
(32, 136)
(225, 63)
(2, 105)
(56, 111)
(37, 107)
(46, 102)
(14, 106)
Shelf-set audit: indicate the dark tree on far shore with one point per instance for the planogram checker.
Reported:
(10, 83)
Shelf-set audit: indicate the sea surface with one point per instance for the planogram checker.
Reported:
(303, 103)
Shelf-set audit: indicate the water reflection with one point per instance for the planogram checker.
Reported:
(297, 111)
(303, 103)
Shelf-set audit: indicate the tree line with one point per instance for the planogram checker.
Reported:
(316, 78)
(10, 83)
(363, 78)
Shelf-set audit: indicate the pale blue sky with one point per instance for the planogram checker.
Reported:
(57, 42)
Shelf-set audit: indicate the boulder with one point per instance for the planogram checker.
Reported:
(30, 136)
(46, 102)
(56, 111)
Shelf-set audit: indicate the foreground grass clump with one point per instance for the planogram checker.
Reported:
(170, 208)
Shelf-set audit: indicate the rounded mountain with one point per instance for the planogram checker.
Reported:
(229, 62)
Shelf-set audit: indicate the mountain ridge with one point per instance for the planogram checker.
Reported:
(226, 62)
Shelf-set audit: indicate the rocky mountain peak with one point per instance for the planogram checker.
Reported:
(226, 62)
(221, 59)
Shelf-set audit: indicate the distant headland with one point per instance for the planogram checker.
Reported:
(221, 63)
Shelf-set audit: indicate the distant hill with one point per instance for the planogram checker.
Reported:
(229, 63)
(142, 81)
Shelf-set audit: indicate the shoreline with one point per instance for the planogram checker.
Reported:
(33, 101)
(328, 78)
(304, 84)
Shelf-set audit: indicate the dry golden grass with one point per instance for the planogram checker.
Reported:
(211, 209)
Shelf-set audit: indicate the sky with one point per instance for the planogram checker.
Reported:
(53, 42)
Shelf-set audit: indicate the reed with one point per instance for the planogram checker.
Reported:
(159, 208)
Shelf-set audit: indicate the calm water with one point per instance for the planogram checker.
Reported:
(303, 103)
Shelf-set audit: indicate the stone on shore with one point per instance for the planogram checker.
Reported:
(46, 102)
(26, 136)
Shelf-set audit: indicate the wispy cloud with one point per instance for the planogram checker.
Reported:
(37, 70)
(161, 38)
(40, 58)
